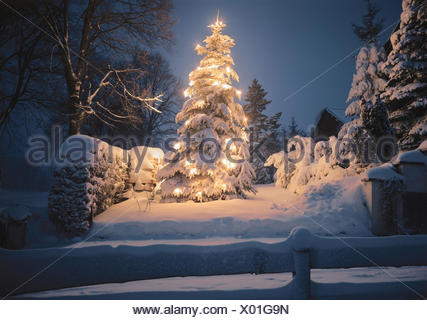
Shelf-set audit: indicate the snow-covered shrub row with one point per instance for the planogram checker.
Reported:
(92, 177)
(307, 162)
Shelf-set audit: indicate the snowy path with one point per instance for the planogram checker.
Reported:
(244, 286)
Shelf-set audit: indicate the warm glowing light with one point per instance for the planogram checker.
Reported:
(187, 163)
(216, 83)
(212, 66)
(228, 69)
(226, 86)
(224, 186)
(246, 119)
(228, 164)
(238, 92)
(232, 146)
(176, 146)
(244, 136)
(177, 192)
(186, 93)
(191, 83)
(199, 194)
(193, 171)
(187, 122)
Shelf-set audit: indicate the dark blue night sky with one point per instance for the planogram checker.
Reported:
(284, 44)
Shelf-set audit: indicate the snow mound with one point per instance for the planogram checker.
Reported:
(414, 156)
(385, 172)
(15, 213)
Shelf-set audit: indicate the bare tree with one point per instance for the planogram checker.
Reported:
(144, 120)
(79, 30)
(157, 80)
(21, 55)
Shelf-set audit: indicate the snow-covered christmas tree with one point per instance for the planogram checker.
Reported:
(210, 160)
(406, 91)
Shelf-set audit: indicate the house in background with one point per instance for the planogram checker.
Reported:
(327, 124)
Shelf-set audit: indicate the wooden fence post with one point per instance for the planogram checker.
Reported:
(301, 243)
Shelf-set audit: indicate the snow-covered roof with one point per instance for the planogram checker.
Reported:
(414, 156)
(382, 173)
(326, 111)
(16, 213)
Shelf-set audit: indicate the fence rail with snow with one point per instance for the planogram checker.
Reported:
(26, 271)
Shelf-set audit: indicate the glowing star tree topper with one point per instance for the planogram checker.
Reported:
(209, 160)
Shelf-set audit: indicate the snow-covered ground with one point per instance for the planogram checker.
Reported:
(243, 286)
(334, 207)
(328, 208)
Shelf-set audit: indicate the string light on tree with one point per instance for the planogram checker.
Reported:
(211, 113)
(177, 192)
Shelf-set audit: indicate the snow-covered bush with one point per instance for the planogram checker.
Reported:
(353, 142)
(279, 161)
(142, 174)
(89, 180)
(322, 162)
(307, 163)
(358, 139)
(299, 150)
(91, 177)
(375, 118)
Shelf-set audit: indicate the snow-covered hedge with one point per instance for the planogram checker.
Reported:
(307, 162)
(91, 177)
